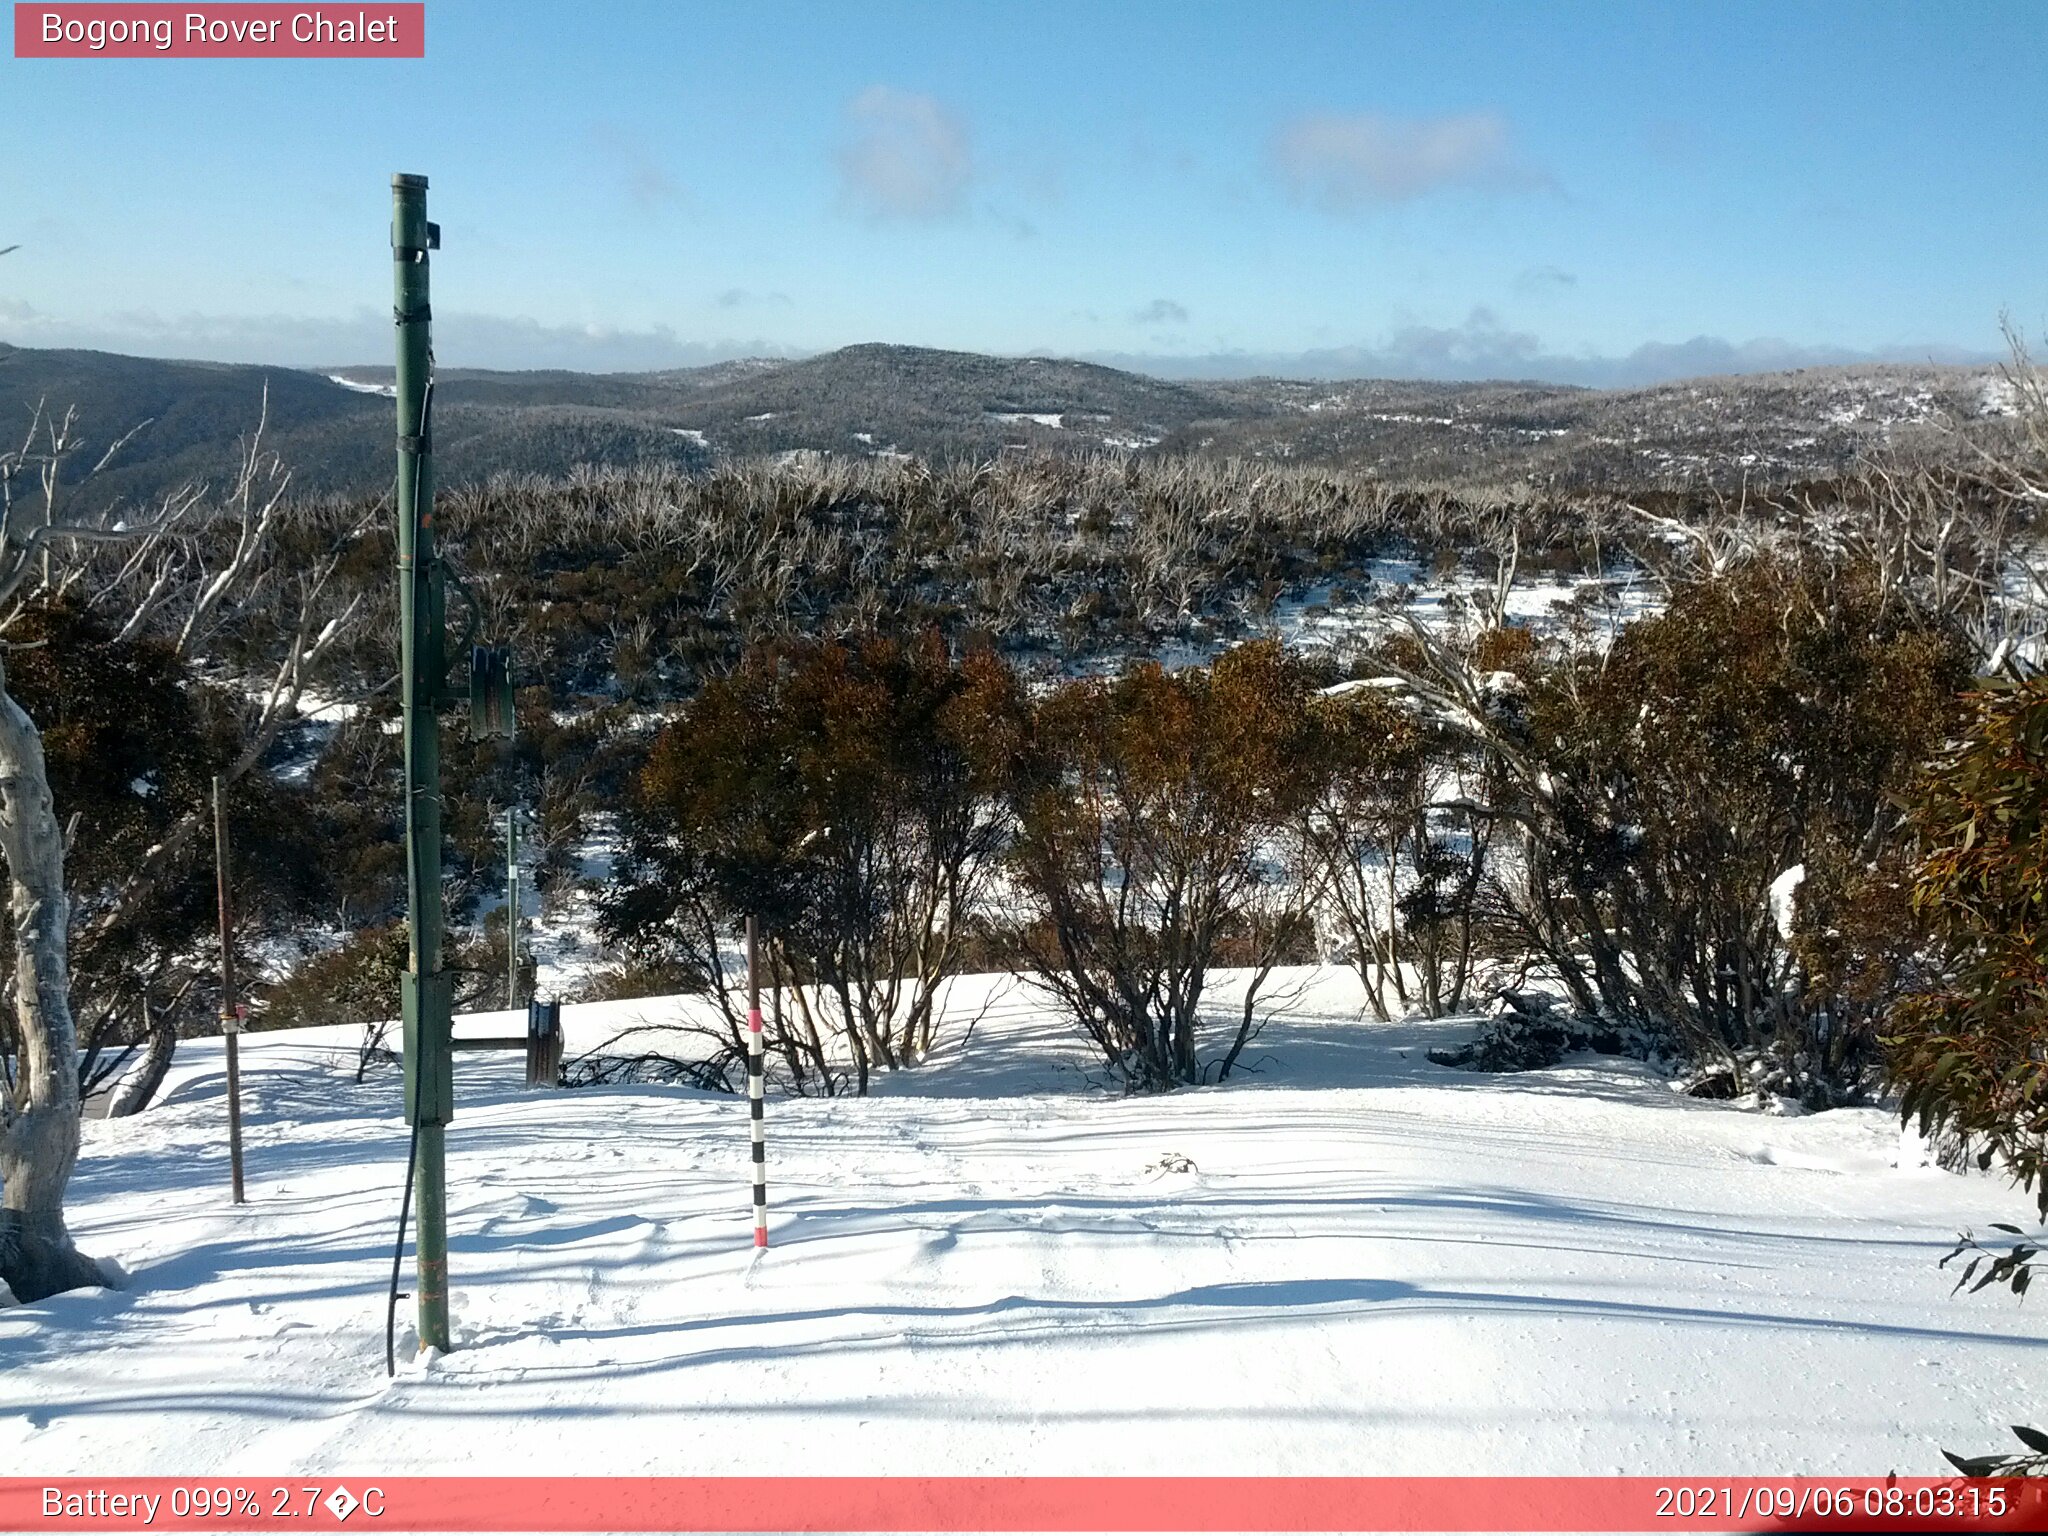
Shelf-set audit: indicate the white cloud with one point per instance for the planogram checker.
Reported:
(739, 298)
(1161, 312)
(1349, 162)
(908, 156)
(1485, 347)
(460, 340)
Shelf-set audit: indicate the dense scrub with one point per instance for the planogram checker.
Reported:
(643, 583)
(1696, 835)
(1689, 830)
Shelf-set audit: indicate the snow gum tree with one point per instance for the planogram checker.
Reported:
(1381, 765)
(130, 739)
(40, 1143)
(1729, 777)
(1154, 815)
(1970, 1049)
(853, 796)
(187, 575)
(1698, 827)
(1406, 857)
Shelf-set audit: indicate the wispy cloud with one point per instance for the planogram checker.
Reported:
(907, 156)
(1541, 282)
(1347, 163)
(629, 158)
(1161, 312)
(740, 298)
(1018, 228)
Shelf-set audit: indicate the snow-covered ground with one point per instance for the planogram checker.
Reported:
(560, 932)
(1341, 619)
(1350, 1262)
(1401, 590)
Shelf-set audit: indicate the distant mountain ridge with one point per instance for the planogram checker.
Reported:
(334, 428)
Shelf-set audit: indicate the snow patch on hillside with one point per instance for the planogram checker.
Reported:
(388, 391)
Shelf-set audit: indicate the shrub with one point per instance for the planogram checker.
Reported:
(357, 982)
(1163, 817)
(1971, 1052)
(852, 796)
(1756, 732)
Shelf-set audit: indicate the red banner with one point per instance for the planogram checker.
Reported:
(372, 30)
(370, 1503)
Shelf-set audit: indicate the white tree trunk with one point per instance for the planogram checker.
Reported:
(137, 1088)
(40, 1142)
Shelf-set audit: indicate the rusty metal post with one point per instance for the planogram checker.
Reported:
(230, 1015)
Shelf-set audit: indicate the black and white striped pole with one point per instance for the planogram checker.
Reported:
(757, 1085)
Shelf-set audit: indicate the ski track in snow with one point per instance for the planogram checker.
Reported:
(1353, 1262)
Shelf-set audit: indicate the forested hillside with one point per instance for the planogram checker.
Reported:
(878, 402)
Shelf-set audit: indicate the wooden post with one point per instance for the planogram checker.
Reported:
(230, 1017)
(757, 1082)
(543, 1043)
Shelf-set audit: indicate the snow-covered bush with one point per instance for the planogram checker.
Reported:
(1399, 893)
(355, 982)
(1531, 1031)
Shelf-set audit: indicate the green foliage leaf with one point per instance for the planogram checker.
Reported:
(1975, 1466)
(2032, 1439)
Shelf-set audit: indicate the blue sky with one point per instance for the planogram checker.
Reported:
(1594, 192)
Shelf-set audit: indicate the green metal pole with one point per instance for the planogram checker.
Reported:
(427, 999)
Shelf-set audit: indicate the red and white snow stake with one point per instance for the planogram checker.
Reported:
(757, 1087)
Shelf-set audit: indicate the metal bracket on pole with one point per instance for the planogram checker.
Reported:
(427, 1004)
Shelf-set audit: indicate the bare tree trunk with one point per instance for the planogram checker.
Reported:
(40, 1143)
(1247, 1019)
(139, 1087)
(1394, 918)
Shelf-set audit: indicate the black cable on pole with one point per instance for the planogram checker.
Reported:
(412, 1157)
